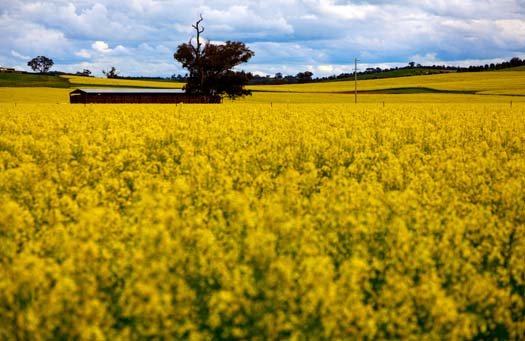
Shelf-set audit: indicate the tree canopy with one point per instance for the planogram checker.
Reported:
(84, 72)
(41, 64)
(111, 73)
(304, 77)
(211, 66)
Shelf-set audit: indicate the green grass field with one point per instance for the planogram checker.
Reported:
(517, 68)
(32, 80)
(403, 72)
(68, 81)
(79, 81)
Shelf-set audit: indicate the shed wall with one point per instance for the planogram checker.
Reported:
(86, 98)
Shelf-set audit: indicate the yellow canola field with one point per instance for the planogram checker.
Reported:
(319, 221)
(499, 82)
(61, 96)
(378, 99)
(34, 95)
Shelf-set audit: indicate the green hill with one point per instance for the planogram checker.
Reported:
(403, 72)
(517, 68)
(32, 80)
(71, 81)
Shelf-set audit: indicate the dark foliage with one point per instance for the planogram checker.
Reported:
(111, 73)
(304, 77)
(210, 66)
(41, 64)
(84, 72)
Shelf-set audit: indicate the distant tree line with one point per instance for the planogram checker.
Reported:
(514, 62)
(307, 76)
(377, 72)
(42, 64)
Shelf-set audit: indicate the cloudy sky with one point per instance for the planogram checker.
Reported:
(139, 37)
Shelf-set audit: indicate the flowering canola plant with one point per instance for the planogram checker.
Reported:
(323, 221)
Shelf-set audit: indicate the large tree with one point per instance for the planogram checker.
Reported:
(211, 66)
(41, 64)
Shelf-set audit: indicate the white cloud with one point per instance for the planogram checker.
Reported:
(140, 36)
(326, 68)
(346, 11)
(119, 49)
(426, 59)
(100, 46)
(41, 40)
(260, 73)
(19, 55)
(245, 22)
(83, 53)
(308, 17)
(512, 31)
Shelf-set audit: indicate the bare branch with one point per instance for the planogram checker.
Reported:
(199, 30)
(196, 25)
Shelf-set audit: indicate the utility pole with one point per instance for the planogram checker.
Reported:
(355, 74)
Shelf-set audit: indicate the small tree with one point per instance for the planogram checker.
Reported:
(84, 72)
(516, 61)
(210, 66)
(41, 64)
(111, 73)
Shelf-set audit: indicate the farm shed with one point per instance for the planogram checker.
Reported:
(115, 95)
(7, 69)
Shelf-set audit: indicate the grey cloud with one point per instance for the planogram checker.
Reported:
(143, 34)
